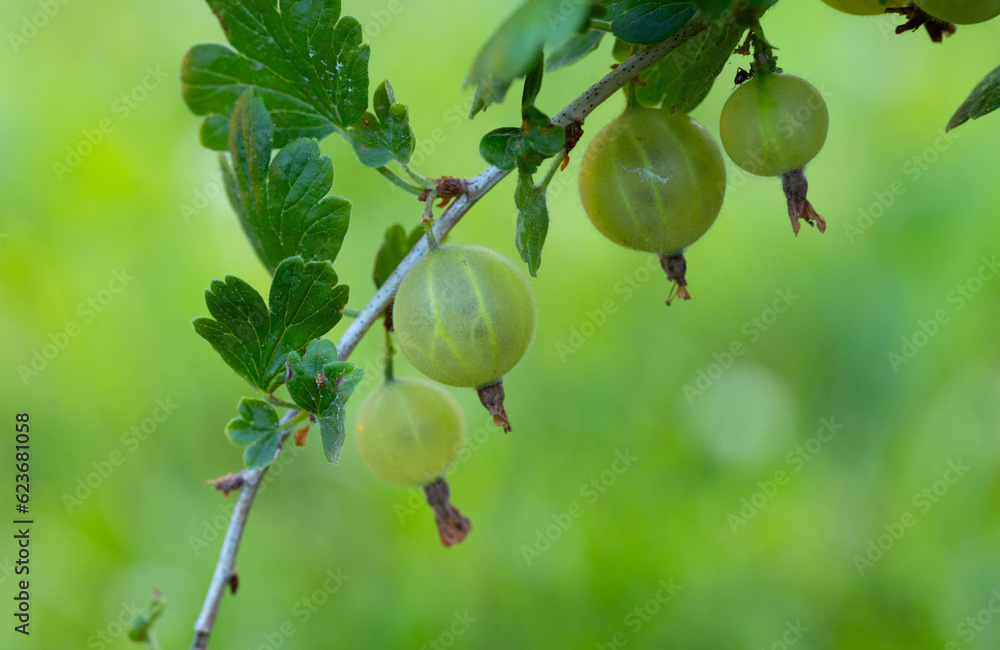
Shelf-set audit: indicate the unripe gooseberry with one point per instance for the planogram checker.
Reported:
(410, 432)
(773, 124)
(464, 316)
(961, 12)
(865, 7)
(654, 181)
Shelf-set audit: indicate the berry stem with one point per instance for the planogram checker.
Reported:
(399, 181)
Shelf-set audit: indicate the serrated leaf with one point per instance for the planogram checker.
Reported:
(645, 22)
(683, 78)
(385, 135)
(573, 50)
(282, 204)
(254, 339)
(258, 428)
(532, 222)
(984, 100)
(395, 247)
(518, 42)
(321, 385)
(307, 63)
(501, 147)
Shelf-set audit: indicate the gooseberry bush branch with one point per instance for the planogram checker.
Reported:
(248, 481)
(297, 72)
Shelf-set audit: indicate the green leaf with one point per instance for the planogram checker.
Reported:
(649, 21)
(282, 204)
(310, 68)
(541, 140)
(253, 338)
(141, 630)
(386, 135)
(984, 99)
(574, 49)
(396, 246)
(683, 78)
(512, 51)
(532, 222)
(501, 147)
(258, 429)
(321, 385)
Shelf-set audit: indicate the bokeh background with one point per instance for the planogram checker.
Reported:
(612, 371)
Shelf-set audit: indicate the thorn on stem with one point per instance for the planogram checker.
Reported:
(228, 483)
(234, 582)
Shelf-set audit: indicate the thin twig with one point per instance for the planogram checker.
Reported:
(577, 111)
(225, 569)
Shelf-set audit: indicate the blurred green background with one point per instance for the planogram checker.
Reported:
(606, 374)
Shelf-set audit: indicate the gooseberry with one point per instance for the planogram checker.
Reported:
(654, 181)
(410, 433)
(961, 12)
(464, 316)
(773, 125)
(865, 7)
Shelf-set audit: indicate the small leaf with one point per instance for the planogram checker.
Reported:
(141, 630)
(983, 100)
(645, 22)
(258, 429)
(254, 339)
(501, 147)
(321, 385)
(541, 140)
(282, 204)
(532, 222)
(396, 246)
(513, 49)
(386, 135)
(683, 78)
(307, 63)
(574, 49)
